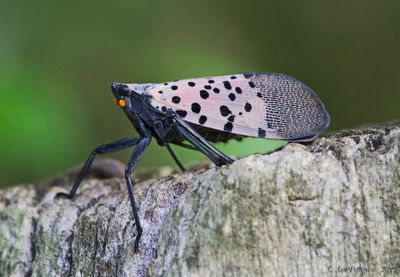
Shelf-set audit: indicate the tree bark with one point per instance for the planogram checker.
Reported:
(325, 208)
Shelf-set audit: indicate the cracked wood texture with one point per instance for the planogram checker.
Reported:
(306, 210)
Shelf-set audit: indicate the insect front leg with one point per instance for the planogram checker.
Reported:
(141, 146)
(102, 149)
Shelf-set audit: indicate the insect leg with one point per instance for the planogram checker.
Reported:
(221, 155)
(102, 149)
(187, 146)
(175, 157)
(141, 146)
(198, 146)
(172, 128)
(158, 127)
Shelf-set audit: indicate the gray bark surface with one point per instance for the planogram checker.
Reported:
(306, 210)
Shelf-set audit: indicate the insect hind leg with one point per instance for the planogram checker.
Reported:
(190, 131)
(199, 147)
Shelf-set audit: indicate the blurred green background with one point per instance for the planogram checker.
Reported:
(58, 59)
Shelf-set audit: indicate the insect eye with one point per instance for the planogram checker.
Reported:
(122, 103)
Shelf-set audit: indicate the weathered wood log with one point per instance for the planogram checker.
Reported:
(306, 210)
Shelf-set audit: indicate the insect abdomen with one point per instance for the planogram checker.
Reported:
(293, 110)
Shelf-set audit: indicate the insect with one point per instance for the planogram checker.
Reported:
(212, 109)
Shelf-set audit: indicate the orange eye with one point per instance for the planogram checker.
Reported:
(115, 102)
(121, 103)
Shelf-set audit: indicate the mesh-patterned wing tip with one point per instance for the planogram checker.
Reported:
(321, 118)
(294, 111)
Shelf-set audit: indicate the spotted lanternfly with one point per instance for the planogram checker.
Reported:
(216, 109)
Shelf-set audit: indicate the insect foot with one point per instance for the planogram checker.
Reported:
(63, 195)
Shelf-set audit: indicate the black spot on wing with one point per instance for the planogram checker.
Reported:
(261, 133)
(232, 96)
(191, 84)
(248, 75)
(216, 90)
(202, 119)
(204, 94)
(211, 81)
(228, 127)
(252, 85)
(181, 113)
(227, 85)
(238, 90)
(164, 109)
(247, 107)
(231, 118)
(233, 77)
(196, 107)
(259, 94)
(207, 87)
(174, 87)
(225, 111)
(176, 99)
(160, 92)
